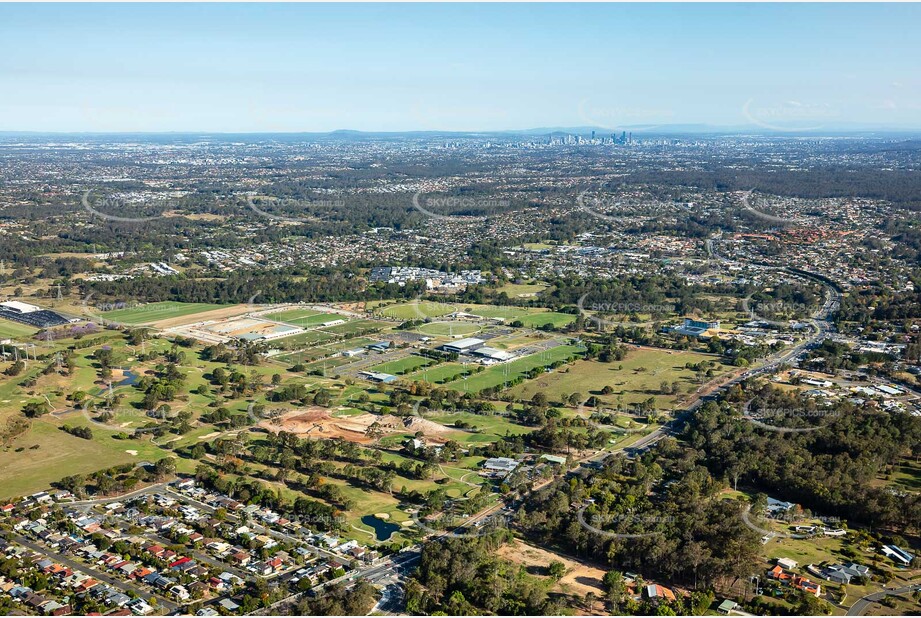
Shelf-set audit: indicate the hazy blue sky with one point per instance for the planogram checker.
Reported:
(245, 67)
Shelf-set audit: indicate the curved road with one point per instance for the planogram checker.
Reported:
(858, 608)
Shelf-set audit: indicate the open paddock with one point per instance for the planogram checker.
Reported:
(636, 378)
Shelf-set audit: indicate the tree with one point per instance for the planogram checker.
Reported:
(614, 588)
(165, 467)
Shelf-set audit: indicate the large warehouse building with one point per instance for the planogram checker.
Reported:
(462, 346)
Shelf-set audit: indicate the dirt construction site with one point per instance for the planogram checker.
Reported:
(223, 330)
(316, 422)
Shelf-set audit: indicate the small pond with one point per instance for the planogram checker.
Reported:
(131, 378)
(383, 529)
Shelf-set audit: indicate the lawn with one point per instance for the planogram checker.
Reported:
(634, 379)
(48, 454)
(305, 339)
(419, 310)
(321, 350)
(356, 327)
(436, 375)
(514, 290)
(499, 374)
(555, 319)
(491, 428)
(327, 364)
(517, 340)
(15, 330)
(506, 312)
(303, 317)
(907, 475)
(450, 329)
(154, 312)
(403, 365)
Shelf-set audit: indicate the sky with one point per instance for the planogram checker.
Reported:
(458, 67)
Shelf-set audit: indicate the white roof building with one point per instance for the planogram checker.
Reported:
(19, 307)
(493, 353)
(462, 345)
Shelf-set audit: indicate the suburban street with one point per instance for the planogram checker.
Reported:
(96, 574)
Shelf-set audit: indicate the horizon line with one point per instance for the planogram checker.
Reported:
(702, 128)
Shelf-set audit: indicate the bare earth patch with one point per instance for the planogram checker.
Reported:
(580, 577)
(317, 422)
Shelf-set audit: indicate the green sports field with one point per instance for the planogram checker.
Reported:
(438, 374)
(15, 330)
(154, 312)
(499, 374)
(303, 317)
(506, 312)
(355, 327)
(305, 339)
(523, 289)
(418, 310)
(450, 329)
(403, 365)
(536, 320)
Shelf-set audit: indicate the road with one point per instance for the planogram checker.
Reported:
(821, 326)
(858, 608)
(95, 574)
(316, 551)
(119, 498)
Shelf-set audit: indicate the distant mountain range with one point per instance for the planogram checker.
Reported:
(640, 131)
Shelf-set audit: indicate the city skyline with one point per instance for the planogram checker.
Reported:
(458, 68)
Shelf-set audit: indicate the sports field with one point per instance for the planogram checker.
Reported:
(499, 374)
(356, 327)
(308, 338)
(437, 375)
(506, 312)
(15, 330)
(303, 317)
(418, 310)
(403, 365)
(448, 329)
(537, 320)
(154, 312)
(531, 317)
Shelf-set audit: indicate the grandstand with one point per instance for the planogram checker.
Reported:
(32, 315)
